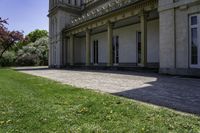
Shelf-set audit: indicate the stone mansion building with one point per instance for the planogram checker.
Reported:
(162, 34)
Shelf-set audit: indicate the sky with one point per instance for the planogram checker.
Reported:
(25, 15)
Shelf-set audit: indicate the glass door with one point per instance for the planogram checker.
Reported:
(115, 50)
(139, 48)
(96, 52)
(194, 40)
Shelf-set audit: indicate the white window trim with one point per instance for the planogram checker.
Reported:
(190, 34)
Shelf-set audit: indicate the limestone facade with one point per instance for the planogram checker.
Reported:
(162, 34)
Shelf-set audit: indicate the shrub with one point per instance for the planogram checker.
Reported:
(34, 53)
(27, 59)
(8, 59)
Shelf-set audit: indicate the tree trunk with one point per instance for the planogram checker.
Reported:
(1, 54)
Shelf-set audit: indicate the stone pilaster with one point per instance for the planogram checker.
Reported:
(88, 40)
(50, 53)
(167, 39)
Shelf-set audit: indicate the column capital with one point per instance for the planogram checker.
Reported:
(70, 35)
(88, 30)
(109, 23)
(143, 13)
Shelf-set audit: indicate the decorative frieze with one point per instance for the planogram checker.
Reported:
(123, 13)
(111, 6)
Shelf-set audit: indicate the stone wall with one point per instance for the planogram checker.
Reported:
(174, 36)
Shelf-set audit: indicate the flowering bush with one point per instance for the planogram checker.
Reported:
(34, 53)
(8, 59)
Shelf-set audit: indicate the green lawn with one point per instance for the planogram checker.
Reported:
(32, 105)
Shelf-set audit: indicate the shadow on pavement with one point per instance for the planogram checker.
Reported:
(174, 93)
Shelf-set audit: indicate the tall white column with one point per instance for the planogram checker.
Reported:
(71, 47)
(109, 48)
(143, 20)
(88, 40)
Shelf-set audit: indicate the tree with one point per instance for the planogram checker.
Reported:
(8, 58)
(31, 38)
(34, 53)
(37, 34)
(8, 38)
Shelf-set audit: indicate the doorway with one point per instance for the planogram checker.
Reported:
(139, 48)
(115, 43)
(96, 52)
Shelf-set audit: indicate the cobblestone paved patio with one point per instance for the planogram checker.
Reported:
(182, 94)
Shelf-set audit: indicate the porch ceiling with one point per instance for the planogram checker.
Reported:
(125, 22)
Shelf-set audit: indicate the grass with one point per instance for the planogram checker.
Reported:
(30, 104)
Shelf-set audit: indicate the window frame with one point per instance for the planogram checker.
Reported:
(115, 50)
(95, 52)
(139, 42)
(190, 40)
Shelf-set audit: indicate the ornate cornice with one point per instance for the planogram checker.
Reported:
(65, 7)
(178, 3)
(114, 16)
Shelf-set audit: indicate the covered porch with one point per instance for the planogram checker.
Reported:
(128, 37)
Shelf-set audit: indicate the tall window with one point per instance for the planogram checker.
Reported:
(75, 2)
(139, 48)
(69, 1)
(96, 51)
(115, 49)
(81, 2)
(195, 40)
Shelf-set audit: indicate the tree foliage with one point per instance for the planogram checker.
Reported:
(8, 58)
(37, 34)
(20, 51)
(35, 53)
(8, 38)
